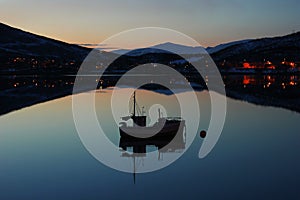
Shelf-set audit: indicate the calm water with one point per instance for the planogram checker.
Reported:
(256, 157)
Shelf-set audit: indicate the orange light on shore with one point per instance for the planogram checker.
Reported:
(292, 83)
(247, 65)
(291, 64)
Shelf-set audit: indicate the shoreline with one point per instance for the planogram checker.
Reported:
(37, 98)
(31, 101)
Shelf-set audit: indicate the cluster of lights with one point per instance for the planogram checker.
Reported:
(267, 64)
(35, 63)
(268, 81)
(43, 84)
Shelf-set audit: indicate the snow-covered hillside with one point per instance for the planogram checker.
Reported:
(220, 47)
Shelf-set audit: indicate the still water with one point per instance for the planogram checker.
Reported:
(256, 157)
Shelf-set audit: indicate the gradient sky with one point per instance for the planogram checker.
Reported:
(210, 22)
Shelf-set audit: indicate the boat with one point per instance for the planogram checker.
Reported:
(165, 127)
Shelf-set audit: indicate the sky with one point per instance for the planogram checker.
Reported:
(210, 22)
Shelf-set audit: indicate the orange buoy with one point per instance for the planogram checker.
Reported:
(203, 134)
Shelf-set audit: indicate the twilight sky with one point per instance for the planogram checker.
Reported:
(210, 22)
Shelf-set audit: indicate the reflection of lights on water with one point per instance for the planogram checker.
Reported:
(269, 63)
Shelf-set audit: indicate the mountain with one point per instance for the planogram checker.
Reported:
(37, 53)
(26, 53)
(253, 50)
(16, 41)
(275, 49)
(178, 48)
(161, 48)
(220, 47)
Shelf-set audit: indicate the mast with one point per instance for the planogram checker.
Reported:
(159, 113)
(134, 104)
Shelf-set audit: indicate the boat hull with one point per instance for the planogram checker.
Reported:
(169, 130)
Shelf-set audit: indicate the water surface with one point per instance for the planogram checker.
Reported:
(256, 157)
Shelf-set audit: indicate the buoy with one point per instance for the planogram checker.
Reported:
(203, 134)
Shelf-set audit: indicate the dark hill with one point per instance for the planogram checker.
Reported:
(275, 49)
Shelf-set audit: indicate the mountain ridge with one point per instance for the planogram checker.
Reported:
(15, 43)
(273, 48)
(21, 42)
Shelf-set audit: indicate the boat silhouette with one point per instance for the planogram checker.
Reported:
(165, 127)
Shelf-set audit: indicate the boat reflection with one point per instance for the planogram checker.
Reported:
(137, 148)
(162, 145)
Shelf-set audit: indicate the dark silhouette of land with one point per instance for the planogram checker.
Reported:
(36, 69)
